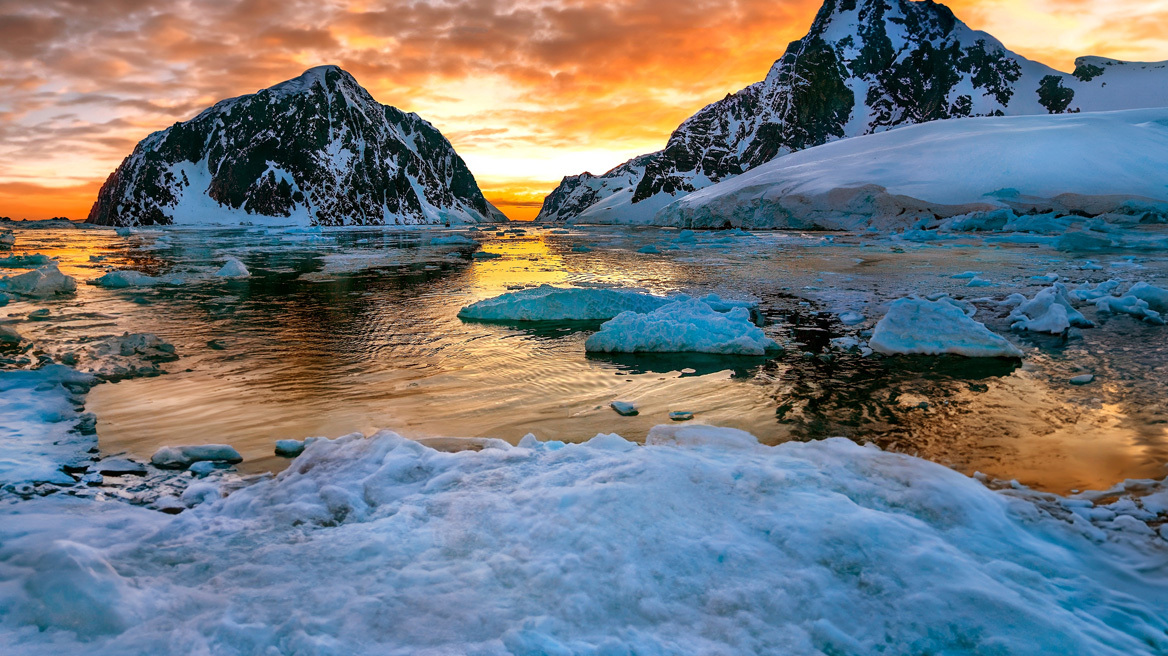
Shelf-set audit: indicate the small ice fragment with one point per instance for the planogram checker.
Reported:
(624, 409)
(968, 275)
(581, 249)
(483, 255)
(181, 457)
(1050, 277)
(680, 415)
(292, 448)
(850, 318)
(1083, 379)
(119, 467)
(649, 250)
(979, 282)
(233, 269)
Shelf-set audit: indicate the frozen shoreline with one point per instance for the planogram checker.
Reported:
(701, 542)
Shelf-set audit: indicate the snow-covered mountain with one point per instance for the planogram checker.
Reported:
(865, 66)
(1076, 165)
(317, 149)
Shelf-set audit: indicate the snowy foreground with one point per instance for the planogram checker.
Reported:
(700, 542)
(1089, 164)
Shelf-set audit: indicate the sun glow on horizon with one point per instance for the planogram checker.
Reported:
(527, 92)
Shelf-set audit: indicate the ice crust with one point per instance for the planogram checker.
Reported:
(923, 327)
(39, 424)
(703, 542)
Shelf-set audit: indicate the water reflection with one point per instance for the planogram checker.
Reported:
(358, 330)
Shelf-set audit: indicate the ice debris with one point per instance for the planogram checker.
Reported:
(126, 278)
(624, 408)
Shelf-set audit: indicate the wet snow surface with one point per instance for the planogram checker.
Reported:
(760, 536)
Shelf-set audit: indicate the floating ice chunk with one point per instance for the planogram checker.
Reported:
(181, 457)
(649, 250)
(686, 237)
(40, 283)
(1084, 379)
(233, 269)
(484, 255)
(1090, 265)
(292, 448)
(1130, 305)
(699, 436)
(453, 240)
(123, 231)
(559, 231)
(547, 303)
(1050, 277)
(129, 278)
(119, 467)
(919, 326)
(689, 326)
(1049, 311)
(31, 261)
(980, 282)
(851, 318)
(1043, 224)
(967, 275)
(681, 415)
(7, 241)
(581, 249)
(624, 409)
(1155, 297)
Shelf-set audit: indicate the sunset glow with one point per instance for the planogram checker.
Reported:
(527, 92)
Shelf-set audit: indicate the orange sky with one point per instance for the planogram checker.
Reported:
(527, 90)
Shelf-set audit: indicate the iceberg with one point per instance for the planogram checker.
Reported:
(40, 283)
(687, 326)
(919, 326)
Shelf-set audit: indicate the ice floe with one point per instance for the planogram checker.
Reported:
(127, 278)
(233, 268)
(924, 327)
(41, 426)
(44, 282)
(181, 457)
(689, 326)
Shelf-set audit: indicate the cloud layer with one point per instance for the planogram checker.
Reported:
(527, 90)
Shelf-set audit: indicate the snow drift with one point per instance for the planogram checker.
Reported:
(704, 542)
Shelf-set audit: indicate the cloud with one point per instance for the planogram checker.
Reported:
(573, 84)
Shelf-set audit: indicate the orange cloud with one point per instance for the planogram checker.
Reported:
(527, 90)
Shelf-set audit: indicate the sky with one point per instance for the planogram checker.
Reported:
(528, 91)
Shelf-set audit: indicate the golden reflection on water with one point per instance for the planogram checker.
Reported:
(299, 356)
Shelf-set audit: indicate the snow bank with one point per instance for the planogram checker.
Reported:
(1072, 163)
(919, 326)
(233, 268)
(129, 278)
(383, 546)
(41, 428)
(689, 326)
(40, 283)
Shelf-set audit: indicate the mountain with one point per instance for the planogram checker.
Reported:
(865, 66)
(1055, 170)
(317, 149)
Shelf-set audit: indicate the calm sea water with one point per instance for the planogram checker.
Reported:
(356, 330)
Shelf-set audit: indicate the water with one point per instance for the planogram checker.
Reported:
(357, 330)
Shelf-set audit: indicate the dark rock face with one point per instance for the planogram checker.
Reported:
(865, 66)
(317, 148)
